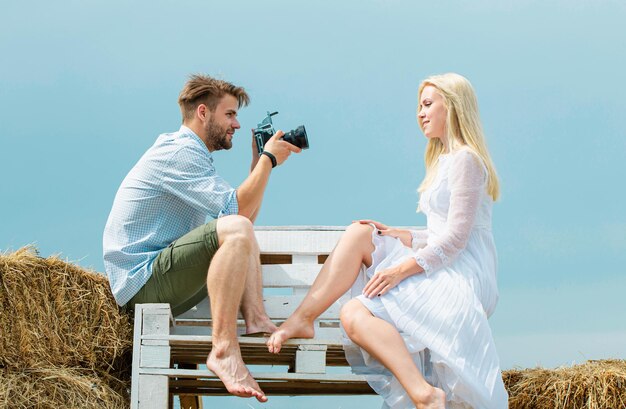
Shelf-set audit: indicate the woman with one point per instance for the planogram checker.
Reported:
(419, 321)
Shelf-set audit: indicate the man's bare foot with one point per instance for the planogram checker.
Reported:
(433, 398)
(261, 325)
(227, 364)
(292, 328)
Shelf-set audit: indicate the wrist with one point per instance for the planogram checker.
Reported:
(409, 268)
(271, 157)
(265, 161)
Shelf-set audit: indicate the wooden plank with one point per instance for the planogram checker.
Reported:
(311, 359)
(243, 341)
(304, 259)
(290, 275)
(275, 259)
(312, 242)
(278, 307)
(324, 329)
(156, 319)
(282, 307)
(153, 391)
(278, 376)
(291, 388)
(155, 356)
(190, 401)
(299, 228)
(302, 239)
(134, 387)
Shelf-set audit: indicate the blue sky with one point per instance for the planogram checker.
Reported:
(86, 87)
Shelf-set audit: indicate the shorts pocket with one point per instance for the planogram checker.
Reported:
(164, 259)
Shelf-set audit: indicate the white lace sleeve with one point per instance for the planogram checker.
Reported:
(466, 180)
(418, 239)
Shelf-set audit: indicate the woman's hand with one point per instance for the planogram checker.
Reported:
(404, 235)
(384, 230)
(383, 281)
(376, 224)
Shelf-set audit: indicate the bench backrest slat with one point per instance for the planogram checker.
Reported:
(298, 241)
(289, 275)
(305, 247)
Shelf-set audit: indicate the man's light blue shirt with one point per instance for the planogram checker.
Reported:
(168, 193)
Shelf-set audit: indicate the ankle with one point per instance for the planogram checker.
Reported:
(303, 317)
(425, 394)
(223, 348)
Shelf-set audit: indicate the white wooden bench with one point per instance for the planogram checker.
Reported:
(164, 346)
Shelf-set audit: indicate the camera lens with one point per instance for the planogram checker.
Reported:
(297, 137)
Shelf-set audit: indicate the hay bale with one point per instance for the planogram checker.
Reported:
(593, 385)
(61, 388)
(56, 314)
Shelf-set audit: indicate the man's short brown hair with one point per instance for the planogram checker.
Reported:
(202, 89)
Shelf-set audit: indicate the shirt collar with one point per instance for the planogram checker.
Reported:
(187, 131)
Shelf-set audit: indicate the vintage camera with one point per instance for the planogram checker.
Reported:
(264, 131)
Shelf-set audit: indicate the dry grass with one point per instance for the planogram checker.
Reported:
(53, 313)
(61, 388)
(63, 341)
(593, 385)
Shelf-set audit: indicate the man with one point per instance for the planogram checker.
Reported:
(157, 247)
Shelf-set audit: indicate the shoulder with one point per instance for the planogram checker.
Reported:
(466, 162)
(182, 148)
(175, 153)
(466, 157)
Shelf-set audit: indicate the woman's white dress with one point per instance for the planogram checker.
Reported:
(442, 313)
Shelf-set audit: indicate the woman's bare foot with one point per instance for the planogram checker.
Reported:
(433, 398)
(292, 328)
(227, 364)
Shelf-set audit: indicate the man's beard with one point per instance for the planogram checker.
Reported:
(217, 136)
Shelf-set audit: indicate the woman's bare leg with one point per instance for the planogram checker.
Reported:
(383, 341)
(338, 274)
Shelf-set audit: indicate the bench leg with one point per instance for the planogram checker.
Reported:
(311, 359)
(153, 392)
(150, 391)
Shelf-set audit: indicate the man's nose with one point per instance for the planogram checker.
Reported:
(236, 124)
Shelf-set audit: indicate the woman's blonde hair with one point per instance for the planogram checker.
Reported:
(463, 128)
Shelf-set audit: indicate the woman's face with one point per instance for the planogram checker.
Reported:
(432, 113)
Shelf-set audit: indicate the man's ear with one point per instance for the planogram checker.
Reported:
(202, 112)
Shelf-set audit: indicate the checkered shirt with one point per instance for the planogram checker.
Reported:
(168, 193)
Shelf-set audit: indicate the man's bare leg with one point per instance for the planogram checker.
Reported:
(383, 341)
(338, 274)
(252, 307)
(225, 282)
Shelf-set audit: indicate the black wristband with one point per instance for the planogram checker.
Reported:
(272, 158)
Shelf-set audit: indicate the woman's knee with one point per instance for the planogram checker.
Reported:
(358, 234)
(361, 230)
(349, 316)
(359, 238)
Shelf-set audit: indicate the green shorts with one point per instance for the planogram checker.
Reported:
(179, 271)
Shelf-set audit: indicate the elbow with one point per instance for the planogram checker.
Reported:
(248, 213)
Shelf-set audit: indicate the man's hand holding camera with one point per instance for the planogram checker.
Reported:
(280, 148)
